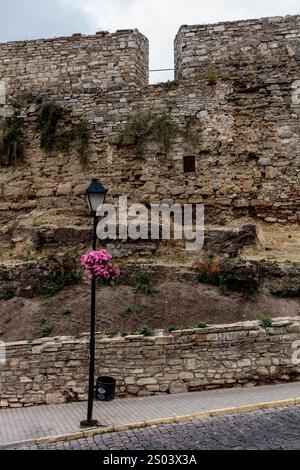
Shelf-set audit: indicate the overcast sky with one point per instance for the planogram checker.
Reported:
(159, 20)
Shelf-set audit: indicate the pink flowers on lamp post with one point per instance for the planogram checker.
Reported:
(99, 265)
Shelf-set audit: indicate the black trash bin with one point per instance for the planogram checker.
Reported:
(105, 388)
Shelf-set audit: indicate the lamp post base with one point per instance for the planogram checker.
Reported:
(93, 423)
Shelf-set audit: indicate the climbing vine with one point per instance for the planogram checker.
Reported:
(158, 127)
(49, 116)
(54, 135)
(147, 126)
(11, 140)
(191, 128)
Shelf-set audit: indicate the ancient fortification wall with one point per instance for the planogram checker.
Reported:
(75, 64)
(55, 370)
(238, 81)
(267, 42)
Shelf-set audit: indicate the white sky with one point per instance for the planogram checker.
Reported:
(159, 20)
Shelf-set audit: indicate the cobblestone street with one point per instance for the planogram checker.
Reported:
(263, 429)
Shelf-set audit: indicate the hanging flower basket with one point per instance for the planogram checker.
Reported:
(100, 265)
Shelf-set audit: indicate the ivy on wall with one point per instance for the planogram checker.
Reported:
(148, 126)
(159, 127)
(54, 136)
(11, 140)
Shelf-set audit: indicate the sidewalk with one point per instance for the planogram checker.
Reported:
(51, 423)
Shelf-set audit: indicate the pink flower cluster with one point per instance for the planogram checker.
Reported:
(99, 264)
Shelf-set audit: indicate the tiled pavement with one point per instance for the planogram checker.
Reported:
(269, 429)
(25, 424)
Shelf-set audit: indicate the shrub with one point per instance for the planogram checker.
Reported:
(253, 291)
(67, 311)
(169, 85)
(128, 310)
(63, 279)
(46, 329)
(80, 134)
(145, 330)
(223, 285)
(283, 294)
(201, 325)
(266, 322)
(112, 334)
(145, 287)
(7, 295)
(136, 132)
(164, 130)
(173, 328)
(207, 271)
(212, 75)
(99, 265)
(190, 131)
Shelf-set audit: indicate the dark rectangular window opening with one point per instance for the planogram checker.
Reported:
(189, 164)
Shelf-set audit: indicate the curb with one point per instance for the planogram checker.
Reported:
(152, 422)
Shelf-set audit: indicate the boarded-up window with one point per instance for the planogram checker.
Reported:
(2, 92)
(189, 164)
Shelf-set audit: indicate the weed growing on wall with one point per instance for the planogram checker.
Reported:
(56, 137)
(49, 116)
(11, 140)
(148, 126)
(190, 131)
(212, 75)
(159, 127)
(136, 132)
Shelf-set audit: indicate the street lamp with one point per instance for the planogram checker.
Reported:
(95, 197)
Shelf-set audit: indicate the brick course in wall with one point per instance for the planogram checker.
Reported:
(55, 370)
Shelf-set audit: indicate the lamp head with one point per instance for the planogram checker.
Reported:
(95, 196)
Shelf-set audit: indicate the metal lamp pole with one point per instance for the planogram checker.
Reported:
(95, 196)
(90, 420)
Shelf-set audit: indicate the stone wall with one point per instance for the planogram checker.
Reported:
(74, 64)
(55, 370)
(236, 44)
(248, 151)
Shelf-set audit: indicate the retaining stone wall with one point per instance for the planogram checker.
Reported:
(54, 370)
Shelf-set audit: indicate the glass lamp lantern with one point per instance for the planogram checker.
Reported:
(95, 196)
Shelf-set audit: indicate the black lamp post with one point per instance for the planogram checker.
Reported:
(95, 197)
